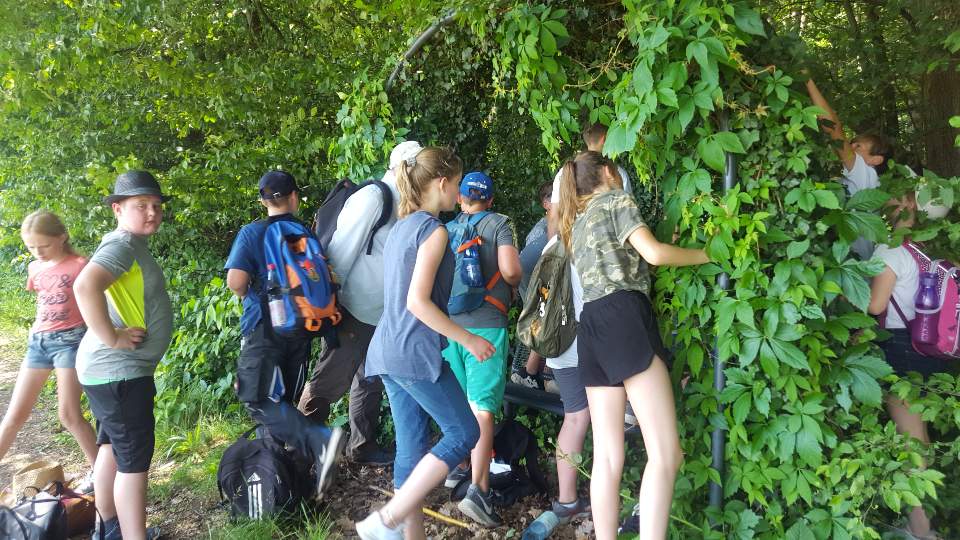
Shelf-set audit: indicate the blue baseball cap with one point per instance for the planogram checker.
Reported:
(477, 186)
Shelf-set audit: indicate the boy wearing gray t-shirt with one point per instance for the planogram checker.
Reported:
(122, 296)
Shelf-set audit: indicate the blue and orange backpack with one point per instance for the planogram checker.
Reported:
(300, 289)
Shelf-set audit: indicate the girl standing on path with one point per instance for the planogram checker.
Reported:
(620, 352)
(54, 336)
(407, 344)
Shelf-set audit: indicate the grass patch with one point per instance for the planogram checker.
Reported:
(304, 525)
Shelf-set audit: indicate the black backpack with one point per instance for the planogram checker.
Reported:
(260, 477)
(325, 220)
(512, 442)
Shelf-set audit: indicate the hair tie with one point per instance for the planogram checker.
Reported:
(412, 160)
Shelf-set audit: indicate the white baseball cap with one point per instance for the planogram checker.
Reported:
(403, 152)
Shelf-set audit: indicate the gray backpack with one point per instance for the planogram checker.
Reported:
(548, 323)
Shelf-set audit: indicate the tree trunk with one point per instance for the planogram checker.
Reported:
(888, 119)
(941, 100)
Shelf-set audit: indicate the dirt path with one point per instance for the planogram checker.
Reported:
(42, 437)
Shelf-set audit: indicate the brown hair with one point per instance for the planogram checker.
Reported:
(48, 224)
(430, 163)
(545, 191)
(593, 133)
(879, 146)
(579, 178)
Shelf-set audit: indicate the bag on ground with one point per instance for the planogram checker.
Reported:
(513, 444)
(548, 322)
(42, 516)
(259, 478)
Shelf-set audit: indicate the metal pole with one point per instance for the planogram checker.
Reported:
(718, 438)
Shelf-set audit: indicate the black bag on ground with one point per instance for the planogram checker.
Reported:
(41, 517)
(325, 220)
(512, 442)
(260, 477)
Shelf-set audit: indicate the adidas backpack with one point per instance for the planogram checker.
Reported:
(463, 237)
(301, 295)
(947, 345)
(325, 220)
(259, 478)
(548, 322)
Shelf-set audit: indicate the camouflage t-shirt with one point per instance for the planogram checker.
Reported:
(603, 258)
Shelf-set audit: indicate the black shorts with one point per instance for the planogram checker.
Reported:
(617, 338)
(124, 413)
(903, 358)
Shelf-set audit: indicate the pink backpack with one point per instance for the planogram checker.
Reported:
(947, 316)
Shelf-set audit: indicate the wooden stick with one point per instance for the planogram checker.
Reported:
(426, 510)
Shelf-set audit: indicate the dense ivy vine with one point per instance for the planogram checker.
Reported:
(682, 83)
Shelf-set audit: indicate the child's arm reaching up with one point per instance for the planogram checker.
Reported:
(845, 151)
(659, 254)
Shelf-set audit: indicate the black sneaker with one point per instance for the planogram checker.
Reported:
(376, 457)
(631, 524)
(578, 509)
(478, 506)
(327, 460)
(456, 476)
(521, 377)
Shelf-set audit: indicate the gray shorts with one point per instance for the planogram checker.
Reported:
(572, 393)
(48, 350)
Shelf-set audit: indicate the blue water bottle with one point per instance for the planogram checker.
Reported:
(542, 527)
(470, 272)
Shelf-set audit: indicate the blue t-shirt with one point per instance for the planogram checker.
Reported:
(402, 346)
(247, 255)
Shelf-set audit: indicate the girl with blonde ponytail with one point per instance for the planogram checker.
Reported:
(620, 352)
(54, 337)
(406, 347)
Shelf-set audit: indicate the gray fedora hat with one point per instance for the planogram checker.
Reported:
(133, 183)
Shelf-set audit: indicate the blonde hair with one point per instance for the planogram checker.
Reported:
(412, 180)
(48, 224)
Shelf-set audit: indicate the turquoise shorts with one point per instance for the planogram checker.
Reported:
(482, 382)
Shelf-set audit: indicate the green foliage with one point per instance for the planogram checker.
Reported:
(211, 95)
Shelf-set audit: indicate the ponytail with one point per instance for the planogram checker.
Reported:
(579, 179)
(415, 174)
(568, 206)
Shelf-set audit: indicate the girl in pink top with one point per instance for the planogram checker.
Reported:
(54, 336)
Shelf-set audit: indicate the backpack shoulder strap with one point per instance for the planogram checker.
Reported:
(386, 212)
(474, 219)
(896, 306)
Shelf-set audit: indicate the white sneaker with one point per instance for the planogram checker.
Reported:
(373, 528)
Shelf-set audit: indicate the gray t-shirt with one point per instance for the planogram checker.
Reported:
(137, 298)
(496, 230)
(402, 345)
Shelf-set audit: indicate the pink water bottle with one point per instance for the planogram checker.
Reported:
(927, 304)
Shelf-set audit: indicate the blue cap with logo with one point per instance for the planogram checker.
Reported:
(477, 186)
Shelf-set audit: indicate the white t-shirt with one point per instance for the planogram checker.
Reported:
(901, 262)
(568, 358)
(555, 195)
(859, 178)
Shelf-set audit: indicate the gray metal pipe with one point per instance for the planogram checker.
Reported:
(718, 438)
(417, 45)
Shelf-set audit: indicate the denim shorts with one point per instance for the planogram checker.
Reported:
(48, 350)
